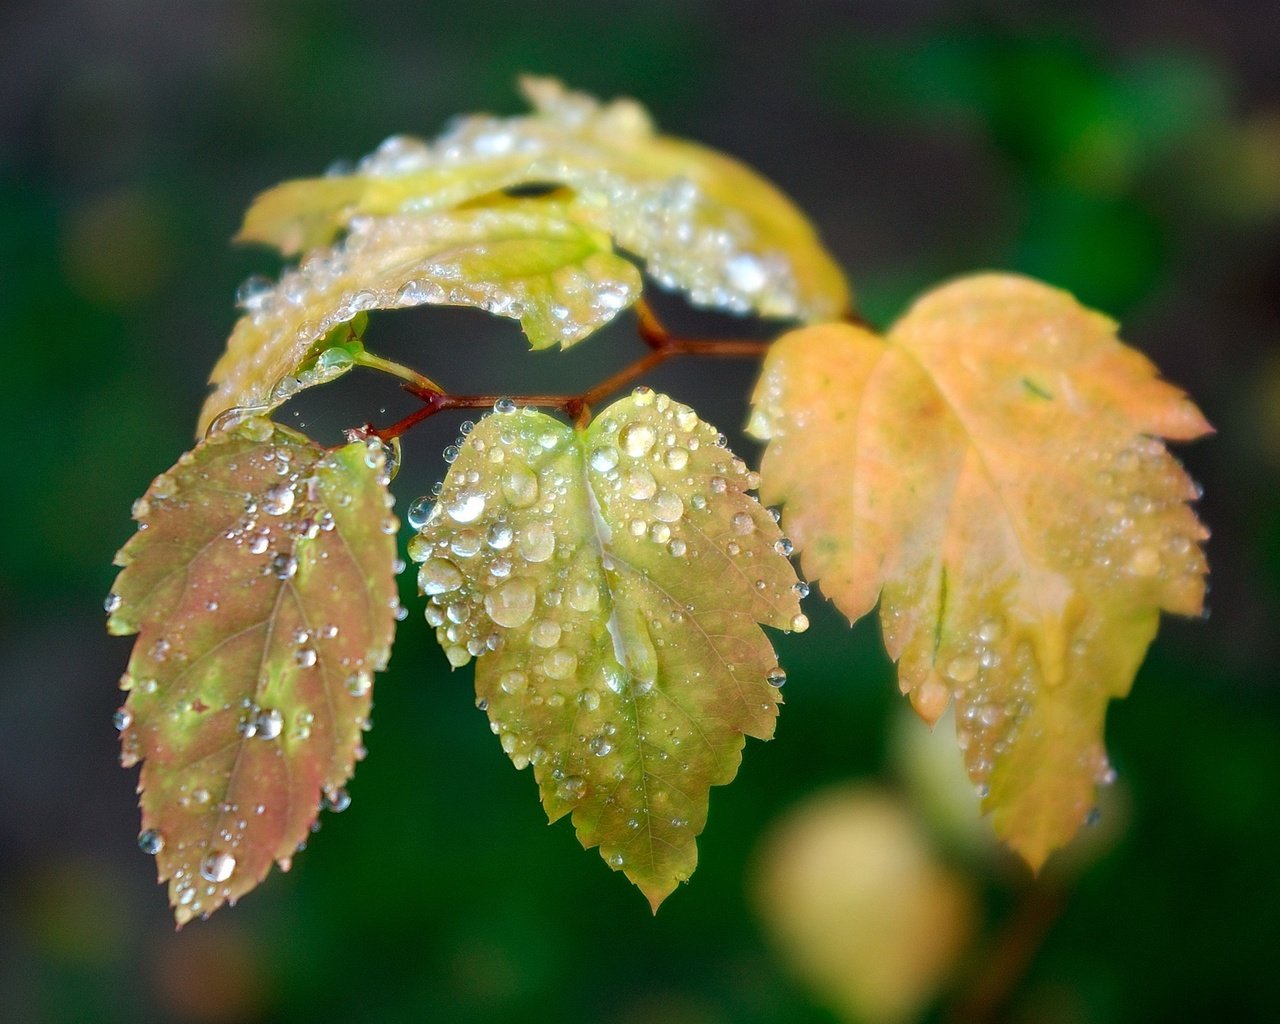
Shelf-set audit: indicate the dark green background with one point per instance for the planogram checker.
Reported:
(1127, 151)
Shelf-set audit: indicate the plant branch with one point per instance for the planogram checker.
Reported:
(662, 346)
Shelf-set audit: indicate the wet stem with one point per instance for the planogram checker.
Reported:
(661, 343)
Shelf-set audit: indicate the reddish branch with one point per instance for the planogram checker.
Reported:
(662, 346)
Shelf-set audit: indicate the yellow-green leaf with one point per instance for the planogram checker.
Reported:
(261, 586)
(526, 259)
(991, 472)
(611, 581)
(704, 223)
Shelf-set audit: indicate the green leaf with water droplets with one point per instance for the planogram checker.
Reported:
(704, 223)
(529, 259)
(261, 586)
(611, 581)
(992, 473)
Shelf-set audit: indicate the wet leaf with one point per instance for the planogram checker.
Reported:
(261, 587)
(526, 259)
(992, 473)
(610, 581)
(704, 223)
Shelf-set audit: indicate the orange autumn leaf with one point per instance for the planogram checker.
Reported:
(992, 473)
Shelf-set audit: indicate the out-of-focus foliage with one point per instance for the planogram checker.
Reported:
(860, 905)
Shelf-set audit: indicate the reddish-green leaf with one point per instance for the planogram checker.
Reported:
(610, 581)
(991, 472)
(261, 586)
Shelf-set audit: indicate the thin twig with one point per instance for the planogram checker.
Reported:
(662, 346)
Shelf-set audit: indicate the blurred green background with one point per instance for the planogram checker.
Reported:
(1128, 151)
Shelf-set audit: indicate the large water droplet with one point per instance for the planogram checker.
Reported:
(604, 458)
(419, 511)
(637, 439)
(545, 633)
(151, 842)
(511, 604)
(536, 542)
(519, 485)
(278, 500)
(641, 485)
(217, 866)
(466, 506)
(438, 576)
(668, 507)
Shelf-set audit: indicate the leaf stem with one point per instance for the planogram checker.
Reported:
(661, 343)
(412, 378)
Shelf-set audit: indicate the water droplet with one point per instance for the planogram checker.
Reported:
(419, 512)
(776, 677)
(151, 842)
(604, 458)
(589, 700)
(511, 604)
(513, 682)
(799, 623)
(742, 523)
(504, 406)
(676, 459)
(536, 542)
(545, 633)
(801, 589)
(336, 800)
(668, 507)
(783, 546)
(640, 484)
(122, 719)
(467, 506)
(269, 724)
(600, 746)
(438, 576)
(465, 543)
(360, 683)
(637, 439)
(677, 547)
(284, 566)
(217, 866)
(112, 603)
(254, 292)
(278, 500)
(163, 487)
(963, 668)
(559, 664)
(583, 596)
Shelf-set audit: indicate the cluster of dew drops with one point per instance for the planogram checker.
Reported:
(506, 600)
(274, 520)
(686, 244)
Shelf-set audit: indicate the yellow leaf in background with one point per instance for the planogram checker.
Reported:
(992, 472)
(525, 259)
(859, 905)
(703, 223)
(611, 582)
